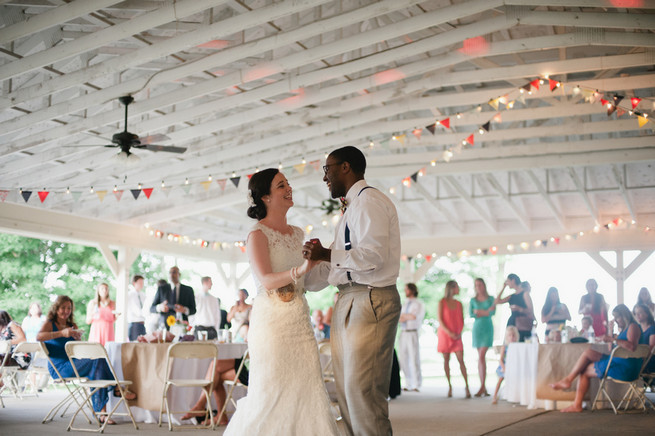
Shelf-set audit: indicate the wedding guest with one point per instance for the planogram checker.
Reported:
(100, 313)
(644, 317)
(208, 311)
(451, 324)
(33, 321)
(12, 331)
(411, 320)
(135, 317)
(154, 321)
(511, 335)
(586, 329)
(593, 363)
(173, 299)
(645, 299)
(59, 329)
(520, 304)
(321, 330)
(482, 308)
(593, 304)
(239, 317)
(554, 313)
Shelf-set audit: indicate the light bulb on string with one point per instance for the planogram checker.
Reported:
(279, 167)
(209, 178)
(140, 185)
(68, 190)
(186, 182)
(91, 190)
(163, 185)
(234, 174)
(115, 188)
(303, 161)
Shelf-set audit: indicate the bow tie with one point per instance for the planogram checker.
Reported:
(344, 205)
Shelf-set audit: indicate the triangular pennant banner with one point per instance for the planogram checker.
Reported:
(76, 195)
(620, 112)
(26, 195)
(101, 195)
(187, 188)
(235, 181)
(611, 110)
(43, 195)
(486, 126)
(535, 84)
(553, 84)
(206, 184)
(3, 195)
(221, 183)
(494, 103)
(249, 176)
(432, 128)
(135, 193)
(521, 98)
(503, 99)
(417, 133)
(527, 88)
(445, 122)
(407, 181)
(635, 102)
(148, 192)
(498, 118)
(603, 101)
(617, 99)
(642, 122)
(414, 176)
(316, 164)
(401, 139)
(471, 140)
(118, 194)
(166, 190)
(300, 168)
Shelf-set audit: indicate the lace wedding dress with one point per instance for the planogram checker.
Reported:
(286, 394)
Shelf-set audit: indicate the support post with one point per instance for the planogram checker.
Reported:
(620, 273)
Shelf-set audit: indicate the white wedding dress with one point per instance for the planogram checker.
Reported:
(286, 394)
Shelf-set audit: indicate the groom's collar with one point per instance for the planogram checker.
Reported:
(354, 190)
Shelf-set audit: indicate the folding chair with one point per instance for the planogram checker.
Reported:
(233, 384)
(641, 352)
(325, 352)
(7, 372)
(93, 351)
(22, 375)
(189, 350)
(647, 378)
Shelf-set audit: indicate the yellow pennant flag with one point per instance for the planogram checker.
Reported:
(206, 184)
(101, 195)
(494, 103)
(300, 168)
(401, 139)
(642, 120)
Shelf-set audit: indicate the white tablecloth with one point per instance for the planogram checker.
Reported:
(521, 375)
(179, 398)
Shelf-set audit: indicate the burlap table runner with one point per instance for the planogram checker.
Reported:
(145, 365)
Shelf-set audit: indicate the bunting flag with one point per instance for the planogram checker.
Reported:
(432, 127)
(43, 195)
(642, 120)
(417, 133)
(407, 181)
(101, 194)
(553, 84)
(148, 192)
(26, 195)
(498, 118)
(235, 181)
(206, 184)
(187, 188)
(620, 112)
(486, 126)
(414, 176)
(521, 98)
(611, 110)
(445, 122)
(401, 139)
(603, 102)
(617, 99)
(316, 164)
(221, 183)
(526, 88)
(166, 190)
(250, 175)
(3, 195)
(470, 140)
(503, 99)
(76, 195)
(535, 84)
(118, 194)
(635, 102)
(493, 103)
(135, 193)
(300, 168)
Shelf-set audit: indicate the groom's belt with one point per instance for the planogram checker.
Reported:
(352, 285)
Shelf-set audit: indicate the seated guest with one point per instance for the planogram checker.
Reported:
(554, 336)
(554, 313)
(59, 329)
(593, 364)
(587, 328)
(644, 317)
(321, 330)
(10, 331)
(645, 299)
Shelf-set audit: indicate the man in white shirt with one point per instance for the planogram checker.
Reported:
(208, 311)
(363, 262)
(411, 319)
(135, 318)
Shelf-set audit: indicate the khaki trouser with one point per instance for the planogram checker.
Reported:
(363, 331)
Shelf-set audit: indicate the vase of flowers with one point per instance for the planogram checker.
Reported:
(177, 326)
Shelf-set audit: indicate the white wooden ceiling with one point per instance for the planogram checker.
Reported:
(254, 84)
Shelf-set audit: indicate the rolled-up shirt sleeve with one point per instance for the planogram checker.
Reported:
(317, 278)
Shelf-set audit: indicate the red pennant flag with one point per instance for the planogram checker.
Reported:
(535, 84)
(43, 195)
(316, 164)
(470, 140)
(428, 257)
(3, 195)
(118, 195)
(221, 183)
(250, 175)
(445, 122)
(635, 102)
(417, 133)
(148, 192)
(603, 101)
(553, 84)
(620, 112)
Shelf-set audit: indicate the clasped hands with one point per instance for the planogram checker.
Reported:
(164, 307)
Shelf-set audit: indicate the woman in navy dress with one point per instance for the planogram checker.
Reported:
(644, 317)
(593, 364)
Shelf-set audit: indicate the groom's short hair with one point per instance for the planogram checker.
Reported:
(353, 156)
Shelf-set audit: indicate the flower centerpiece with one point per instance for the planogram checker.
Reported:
(177, 326)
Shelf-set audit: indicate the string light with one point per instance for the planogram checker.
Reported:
(163, 185)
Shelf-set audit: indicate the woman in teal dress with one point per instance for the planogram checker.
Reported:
(482, 308)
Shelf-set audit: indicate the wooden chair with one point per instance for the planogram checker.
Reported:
(189, 350)
(633, 392)
(93, 351)
(233, 384)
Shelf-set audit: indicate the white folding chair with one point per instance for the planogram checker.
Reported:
(647, 378)
(229, 398)
(325, 354)
(93, 351)
(641, 352)
(189, 350)
(21, 376)
(6, 372)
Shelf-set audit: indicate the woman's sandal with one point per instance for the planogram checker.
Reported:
(104, 418)
(129, 395)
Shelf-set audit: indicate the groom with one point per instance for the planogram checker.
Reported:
(363, 262)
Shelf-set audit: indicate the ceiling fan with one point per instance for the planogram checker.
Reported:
(127, 140)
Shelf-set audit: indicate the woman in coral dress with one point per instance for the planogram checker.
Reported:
(100, 313)
(449, 333)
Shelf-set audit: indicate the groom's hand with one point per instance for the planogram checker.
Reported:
(314, 250)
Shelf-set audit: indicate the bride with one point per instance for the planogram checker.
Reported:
(286, 394)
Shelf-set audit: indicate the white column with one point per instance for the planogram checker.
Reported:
(620, 273)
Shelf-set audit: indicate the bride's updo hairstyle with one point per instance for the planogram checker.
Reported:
(258, 187)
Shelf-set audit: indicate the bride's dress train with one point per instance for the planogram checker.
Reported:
(286, 394)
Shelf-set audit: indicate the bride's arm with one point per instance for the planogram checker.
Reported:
(260, 262)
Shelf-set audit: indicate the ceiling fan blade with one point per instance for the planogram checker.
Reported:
(168, 148)
(151, 139)
(90, 145)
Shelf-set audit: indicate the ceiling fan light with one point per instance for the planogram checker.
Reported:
(127, 158)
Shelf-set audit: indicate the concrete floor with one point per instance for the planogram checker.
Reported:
(412, 414)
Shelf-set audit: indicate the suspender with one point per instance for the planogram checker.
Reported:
(347, 244)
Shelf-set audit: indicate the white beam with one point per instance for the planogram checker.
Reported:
(520, 215)
(583, 193)
(618, 176)
(642, 4)
(471, 202)
(546, 197)
(590, 19)
(423, 269)
(637, 262)
(425, 194)
(109, 257)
